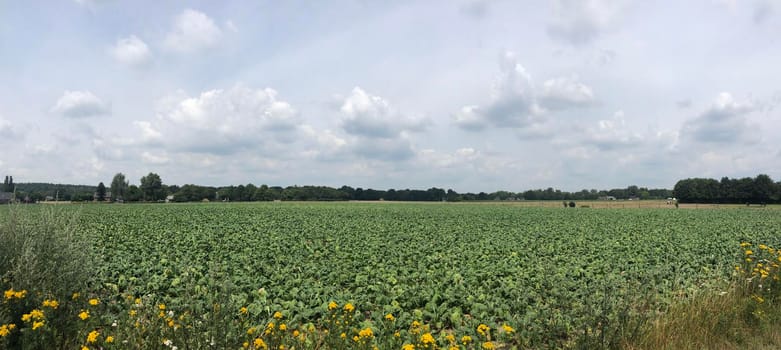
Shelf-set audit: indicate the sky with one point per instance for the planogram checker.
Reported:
(472, 95)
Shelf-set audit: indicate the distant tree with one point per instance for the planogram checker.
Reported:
(152, 187)
(119, 187)
(8, 184)
(134, 194)
(101, 192)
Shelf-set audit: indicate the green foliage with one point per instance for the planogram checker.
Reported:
(119, 187)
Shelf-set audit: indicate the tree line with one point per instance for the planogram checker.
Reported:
(152, 189)
(758, 190)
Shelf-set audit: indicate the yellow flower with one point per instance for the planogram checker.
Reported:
(20, 294)
(466, 339)
(137, 301)
(37, 324)
(84, 347)
(51, 303)
(75, 296)
(109, 339)
(453, 347)
(283, 327)
(251, 331)
(745, 244)
(131, 313)
(161, 307)
(26, 317)
(389, 317)
(243, 310)
(427, 339)
(749, 252)
(296, 333)
(259, 344)
(245, 345)
(397, 334)
(343, 336)
(508, 329)
(762, 247)
(278, 315)
(488, 345)
(349, 307)
(92, 336)
(482, 329)
(6, 329)
(94, 301)
(171, 323)
(36, 314)
(450, 338)
(9, 294)
(332, 305)
(366, 333)
(356, 339)
(408, 347)
(84, 315)
(415, 324)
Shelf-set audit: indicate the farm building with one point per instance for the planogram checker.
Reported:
(6, 197)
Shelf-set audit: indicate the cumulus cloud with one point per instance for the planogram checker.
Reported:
(223, 122)
(80, 104)
(8, 130)
(612, 134)
(371, 116)
(725, 121)
(192, 31)
(475, 8)
(512, 103)
(564, 93)
(580, 22)
(131, 51)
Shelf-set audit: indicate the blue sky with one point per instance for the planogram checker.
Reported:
(471, 95)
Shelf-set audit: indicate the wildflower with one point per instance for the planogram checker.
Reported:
(745, 244)
(36, 314)
(356, 339)
(75, 296)
(259, 344)
(26, 317)
(92, 336)
(397, 334)
(389, 317)
(332, 305)
(51, 303)
(84, 314)
(37, 324)
(251, 331)
(408, 347)
(20, 294)
(109, 339)
(349, 307)
(450, 338)
(762, 247)
(161, 314)
(283, 327)
(366, 333)
(137, 301)
(281, 347)
(171, 323)
(278, 315)
(6, 329)
(749, 252)
(758, 299)
(466, 339)
(243, 310)
(296, 333)
(84, 347)
(94, 301)
(131, 313)
(343, 336)
(507, 329)
(453, 347)
(427, 339)
(245, 345)
(415, 324)
(482, 329)
(161, 307)
(488, 345)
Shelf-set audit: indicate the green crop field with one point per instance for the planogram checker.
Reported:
(545, 271)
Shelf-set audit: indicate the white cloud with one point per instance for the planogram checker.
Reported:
(131, 51)
(192, 31)
(371, 116)
(223, 122)
(513, 103)
(579, 22)
(79, 104)
(723, 122)
(157, 159)
(565, 92)
(612, 134)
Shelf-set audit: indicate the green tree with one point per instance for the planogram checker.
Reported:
(119, 187)
(101, 192)
(152, 187)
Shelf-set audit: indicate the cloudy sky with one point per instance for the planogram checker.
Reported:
(465, 94)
